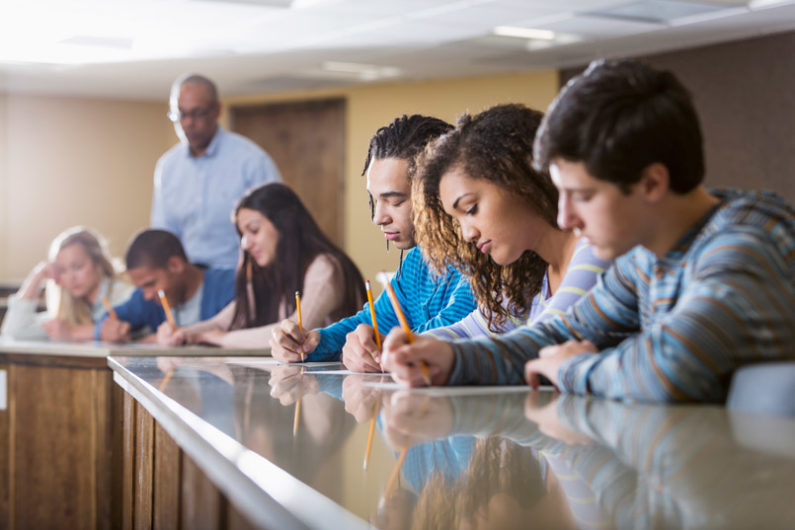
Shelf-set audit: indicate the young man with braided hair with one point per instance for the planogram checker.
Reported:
(429, 301)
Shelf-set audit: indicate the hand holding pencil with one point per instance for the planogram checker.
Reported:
(166, 307)
(362, 349)
(415, 364)
(113, 329)
(415, 361)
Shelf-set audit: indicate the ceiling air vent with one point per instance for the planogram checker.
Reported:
(660, 11)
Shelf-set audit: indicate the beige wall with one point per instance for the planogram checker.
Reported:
(3, 190)
(68, 161)
(370, 107)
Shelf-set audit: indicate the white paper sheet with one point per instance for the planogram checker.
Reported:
(344, 372)
(454, 390)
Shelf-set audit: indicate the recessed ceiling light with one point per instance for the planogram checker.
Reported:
(366, 72)
(658, 11)
(121, 43)
(261, 3)
(756, 4)
(524, 33)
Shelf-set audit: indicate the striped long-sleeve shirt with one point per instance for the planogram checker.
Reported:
(428, 301)
(669, 329)
(584, 267)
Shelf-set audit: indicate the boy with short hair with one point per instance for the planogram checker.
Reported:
(156, 260)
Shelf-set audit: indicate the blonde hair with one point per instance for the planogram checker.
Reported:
(60, 303)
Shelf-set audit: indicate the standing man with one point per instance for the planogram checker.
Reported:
(199, 180)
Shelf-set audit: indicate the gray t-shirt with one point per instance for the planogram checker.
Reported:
(189, 312)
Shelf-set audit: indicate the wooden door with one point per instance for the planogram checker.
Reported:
(306, 139)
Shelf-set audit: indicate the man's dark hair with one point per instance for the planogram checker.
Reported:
(617, 118)
(198, 79)
(404, 138)
(153, 248)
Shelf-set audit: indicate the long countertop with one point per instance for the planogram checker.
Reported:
(106, 349)
(460, 457)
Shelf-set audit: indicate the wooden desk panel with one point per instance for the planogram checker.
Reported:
(60, 441)
(163, 487)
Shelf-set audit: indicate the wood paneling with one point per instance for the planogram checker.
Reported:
(163, 488)
(237, 521)
(144, 467)
(166, 481)
(5, 488)
(78, 452)
(57, 465)
(128, 467)
(203, 506)
(307, 142)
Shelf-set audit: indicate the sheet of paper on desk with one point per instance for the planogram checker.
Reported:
(274, 361)
(253, 362)
(345, 372)
(452, 390)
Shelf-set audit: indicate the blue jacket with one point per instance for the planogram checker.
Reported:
(427, 300)
(218, 289)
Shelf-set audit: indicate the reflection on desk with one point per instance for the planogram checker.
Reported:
(498, 460)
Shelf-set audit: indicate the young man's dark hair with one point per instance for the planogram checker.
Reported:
(404, 138)
(620, 116)
(153, 248)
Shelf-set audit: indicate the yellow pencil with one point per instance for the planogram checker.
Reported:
(372, 314)
(370, 434)
(405, 325)
(297, 417)
(300, 323)
(166, 379)
(396, 472)
(166, 307)
(109, 308)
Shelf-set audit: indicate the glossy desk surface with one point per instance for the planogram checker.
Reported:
(105, 349)
(467, 458)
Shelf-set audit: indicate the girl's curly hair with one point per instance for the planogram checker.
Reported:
(495, 145)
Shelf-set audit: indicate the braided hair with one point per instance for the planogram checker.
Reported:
(404, 138)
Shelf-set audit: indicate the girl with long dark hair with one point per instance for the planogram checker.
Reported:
(284, 252)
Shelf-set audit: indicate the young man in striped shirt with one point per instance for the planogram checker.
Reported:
(428, 300)
(703, 279)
